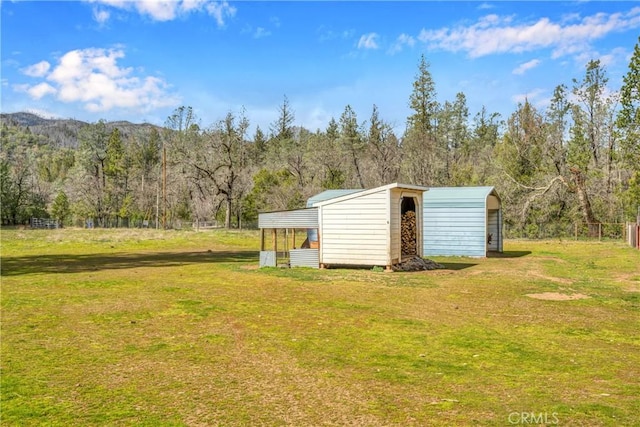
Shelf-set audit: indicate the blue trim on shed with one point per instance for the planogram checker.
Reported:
(455, 221)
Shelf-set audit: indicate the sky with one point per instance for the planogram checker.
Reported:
(140, 60)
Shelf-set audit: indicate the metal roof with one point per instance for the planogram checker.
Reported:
(330, 194)
(299, 218)
(469, 194)
(358, 193)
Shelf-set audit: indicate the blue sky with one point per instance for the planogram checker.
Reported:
(139, 60)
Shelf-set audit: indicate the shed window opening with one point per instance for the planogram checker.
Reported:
(408, 226)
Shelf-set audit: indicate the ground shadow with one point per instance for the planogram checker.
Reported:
(508, 254)
(455, 266)
(15, 266)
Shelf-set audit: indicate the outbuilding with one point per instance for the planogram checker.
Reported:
(462, 221)
(380, 226)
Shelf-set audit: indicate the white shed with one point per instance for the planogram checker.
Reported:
(374, 227)
(462, 221)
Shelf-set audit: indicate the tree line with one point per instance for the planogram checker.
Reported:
(575, 161)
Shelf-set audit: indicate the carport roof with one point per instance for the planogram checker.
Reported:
(439, 194)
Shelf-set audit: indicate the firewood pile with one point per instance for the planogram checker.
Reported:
(408, 233)
(417, 264)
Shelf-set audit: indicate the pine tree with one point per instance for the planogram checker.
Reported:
(60, 209)
(422, 161)
(628, 120)
(423, 101)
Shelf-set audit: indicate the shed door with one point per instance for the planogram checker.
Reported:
(493, 230)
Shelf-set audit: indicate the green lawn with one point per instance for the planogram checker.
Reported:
(109, 327)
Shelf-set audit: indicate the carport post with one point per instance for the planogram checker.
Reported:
(274, 234)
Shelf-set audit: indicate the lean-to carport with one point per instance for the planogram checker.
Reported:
(282, 226)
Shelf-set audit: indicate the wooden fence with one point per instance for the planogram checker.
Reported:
(600, 231)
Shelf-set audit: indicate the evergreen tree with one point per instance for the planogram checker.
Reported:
(423, 101)
(282, 128)
(421, 158)
(628, 120)
(352, 143)
(60, 209)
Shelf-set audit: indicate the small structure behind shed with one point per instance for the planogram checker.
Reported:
(462, 221)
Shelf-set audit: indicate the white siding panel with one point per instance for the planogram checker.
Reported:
(354, 258)
(355, 231)
(395, 225)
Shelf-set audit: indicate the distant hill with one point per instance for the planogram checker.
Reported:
(64, 132)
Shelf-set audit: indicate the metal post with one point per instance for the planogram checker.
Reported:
(157, 204)
(164, 187)
(262, 239)
(274, 235)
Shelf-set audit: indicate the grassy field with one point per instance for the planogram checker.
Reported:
(146, 328)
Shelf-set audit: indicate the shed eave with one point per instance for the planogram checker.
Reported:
(371, 191)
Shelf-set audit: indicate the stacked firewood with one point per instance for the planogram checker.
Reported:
(408, 233)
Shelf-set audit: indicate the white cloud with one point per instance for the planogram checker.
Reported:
(495, 34)
(94, 78)
(37, 70)
(526, 66)
(101, 16)
(40, 90)
(220, 11)
(532, 96)
(368, 41)
(192, 5)
(167, 10)
(402, 41)
(326, 34)
(616, 56)
(261, 32)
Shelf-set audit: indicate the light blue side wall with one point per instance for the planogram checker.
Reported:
(455, 221)
(454, 231)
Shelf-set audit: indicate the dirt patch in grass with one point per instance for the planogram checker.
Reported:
(555, 296)
(631, 281)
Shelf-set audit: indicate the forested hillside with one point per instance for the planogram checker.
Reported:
(577, 161)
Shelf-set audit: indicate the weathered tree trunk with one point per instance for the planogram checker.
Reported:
(227, 214)
(585, 203)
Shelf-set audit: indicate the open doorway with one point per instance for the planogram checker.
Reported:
(408, 226)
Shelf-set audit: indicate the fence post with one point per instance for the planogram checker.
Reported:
(599, 232)
(576, 230)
